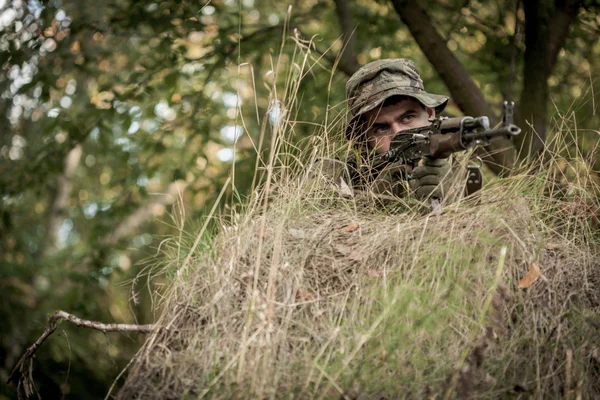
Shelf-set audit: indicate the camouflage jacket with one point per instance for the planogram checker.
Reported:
(354, 174)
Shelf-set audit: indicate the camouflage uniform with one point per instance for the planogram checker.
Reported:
(367, 89)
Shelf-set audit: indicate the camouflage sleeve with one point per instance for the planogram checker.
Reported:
(347, 178)
(344, 177)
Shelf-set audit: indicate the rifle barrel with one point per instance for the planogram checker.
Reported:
(506, 131)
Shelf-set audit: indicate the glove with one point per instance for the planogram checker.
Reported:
(428, 178)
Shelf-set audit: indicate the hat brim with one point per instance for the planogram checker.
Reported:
(435, 101)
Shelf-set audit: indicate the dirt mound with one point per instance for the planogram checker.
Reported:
(315, 295)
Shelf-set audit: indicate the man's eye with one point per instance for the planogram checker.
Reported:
(408, 118)
(380, 130)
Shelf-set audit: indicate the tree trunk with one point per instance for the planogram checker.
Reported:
(348, 60)
(563, 16)
(546, 29)
(469, 98)
(534, 97)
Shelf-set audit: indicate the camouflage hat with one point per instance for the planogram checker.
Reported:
(377, 81)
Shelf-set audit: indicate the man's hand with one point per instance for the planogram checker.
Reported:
(428, 178)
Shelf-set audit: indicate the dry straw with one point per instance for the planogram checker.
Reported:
(311, 293)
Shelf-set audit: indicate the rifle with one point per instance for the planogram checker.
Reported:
(444, 137)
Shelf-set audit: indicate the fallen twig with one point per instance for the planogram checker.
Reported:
(21, 375)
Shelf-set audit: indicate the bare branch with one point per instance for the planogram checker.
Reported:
(332, 59)
(99, 326)
(21, 372)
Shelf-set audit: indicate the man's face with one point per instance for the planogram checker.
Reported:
(384, 123)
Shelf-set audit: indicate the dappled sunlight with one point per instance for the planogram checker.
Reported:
(159, 163)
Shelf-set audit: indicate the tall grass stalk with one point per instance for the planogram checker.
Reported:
(308, 292)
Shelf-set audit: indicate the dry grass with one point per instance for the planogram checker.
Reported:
(292, 303)
(310, 294)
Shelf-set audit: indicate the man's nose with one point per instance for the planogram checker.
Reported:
(397, 127)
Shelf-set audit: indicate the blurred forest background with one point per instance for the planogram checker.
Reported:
(112, 110)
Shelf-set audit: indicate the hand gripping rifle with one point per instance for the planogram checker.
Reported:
(444, 137)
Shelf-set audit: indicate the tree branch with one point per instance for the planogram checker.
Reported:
(58, 208)
(334, 60)
(457, 11)
(564, 13)
(348, 60)
(464, 91)
(143, 214)
(462, 88)
(21, 373)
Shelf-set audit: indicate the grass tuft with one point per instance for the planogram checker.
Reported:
(307, 293)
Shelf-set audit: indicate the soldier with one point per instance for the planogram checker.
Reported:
(386, 97)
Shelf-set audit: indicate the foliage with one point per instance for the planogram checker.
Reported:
(152, 93)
